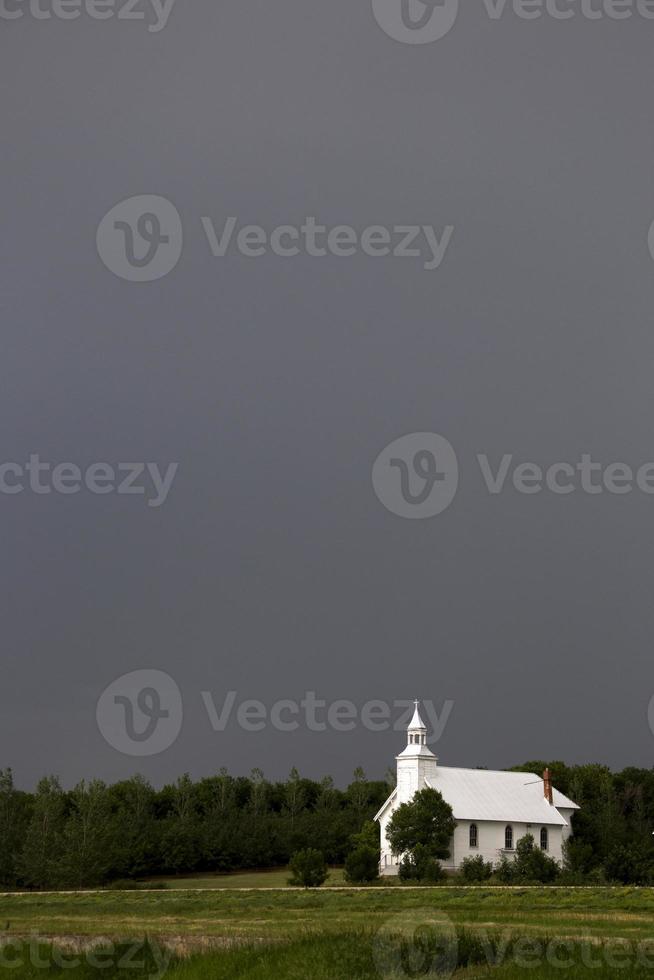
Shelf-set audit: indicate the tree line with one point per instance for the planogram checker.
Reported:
(96, 833)
(613, 831)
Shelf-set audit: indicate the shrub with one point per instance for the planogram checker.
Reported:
(420, 865)
(505, 871)
(476, 869)
(530, 864)
(362, 865)
(308, 868)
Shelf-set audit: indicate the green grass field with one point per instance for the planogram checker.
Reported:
(277, 878)
(347, 934)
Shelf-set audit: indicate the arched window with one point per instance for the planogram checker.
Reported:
(474, 836)
(508, 838)
(544, 842)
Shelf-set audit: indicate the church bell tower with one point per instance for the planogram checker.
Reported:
(417, 762)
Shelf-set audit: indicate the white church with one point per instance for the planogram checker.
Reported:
(492, 810)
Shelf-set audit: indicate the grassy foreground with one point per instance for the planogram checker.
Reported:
(331, 935)
(361, 955)
(285, 914)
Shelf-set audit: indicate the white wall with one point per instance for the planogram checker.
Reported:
(490, 837)
(412, 771)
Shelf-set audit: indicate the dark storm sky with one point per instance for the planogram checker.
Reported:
(272, 568)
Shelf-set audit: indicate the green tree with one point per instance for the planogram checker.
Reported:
(222, 796)
(368, 836)
(362, 861)
(358, 790)
(11, 828)
(294, 796)
(578, 856)
(328, 796)
(181, 837)
(220, 822)
(308, 869)
(133, 830)
(630, 864)
(85, 859)
(42, 849)
(426, 821)
(259, 790)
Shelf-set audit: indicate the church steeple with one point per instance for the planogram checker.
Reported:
(416, 764)
(417, 730)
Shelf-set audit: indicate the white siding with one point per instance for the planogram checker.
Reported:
(490, 837)
(490, 842)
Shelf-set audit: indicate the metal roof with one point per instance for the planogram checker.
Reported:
(510, 797)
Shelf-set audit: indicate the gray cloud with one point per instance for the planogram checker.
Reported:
(272, 568)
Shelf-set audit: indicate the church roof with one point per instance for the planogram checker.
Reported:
(417, 750)
(509, 797)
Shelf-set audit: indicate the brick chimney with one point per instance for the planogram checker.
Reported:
(547, 786)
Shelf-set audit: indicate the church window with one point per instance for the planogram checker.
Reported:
(508, 838)
(544, 842)
(474, 837)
